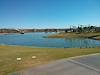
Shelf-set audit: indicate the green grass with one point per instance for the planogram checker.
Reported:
(8, 55)
(74, 35)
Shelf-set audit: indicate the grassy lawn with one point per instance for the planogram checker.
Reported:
(8, 55)
(74, 35)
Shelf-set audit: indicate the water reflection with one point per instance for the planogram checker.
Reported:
(81, 43)
(37, 40)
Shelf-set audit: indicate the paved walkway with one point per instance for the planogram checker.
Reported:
(87, 65)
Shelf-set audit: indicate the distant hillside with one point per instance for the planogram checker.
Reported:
(78, 29)
(8, 31)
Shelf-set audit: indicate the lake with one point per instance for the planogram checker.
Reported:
(37, 40)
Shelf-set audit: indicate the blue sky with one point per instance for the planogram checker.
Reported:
(48, 13)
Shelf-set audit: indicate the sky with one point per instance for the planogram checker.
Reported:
(48, 13)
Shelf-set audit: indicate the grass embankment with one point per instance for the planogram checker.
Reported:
(96, 38)
(8, 55)
(76, 35)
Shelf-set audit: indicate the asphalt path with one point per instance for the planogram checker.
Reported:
(85, 65)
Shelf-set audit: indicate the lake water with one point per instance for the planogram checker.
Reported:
(37, 40)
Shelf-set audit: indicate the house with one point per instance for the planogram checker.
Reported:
(97, 29)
